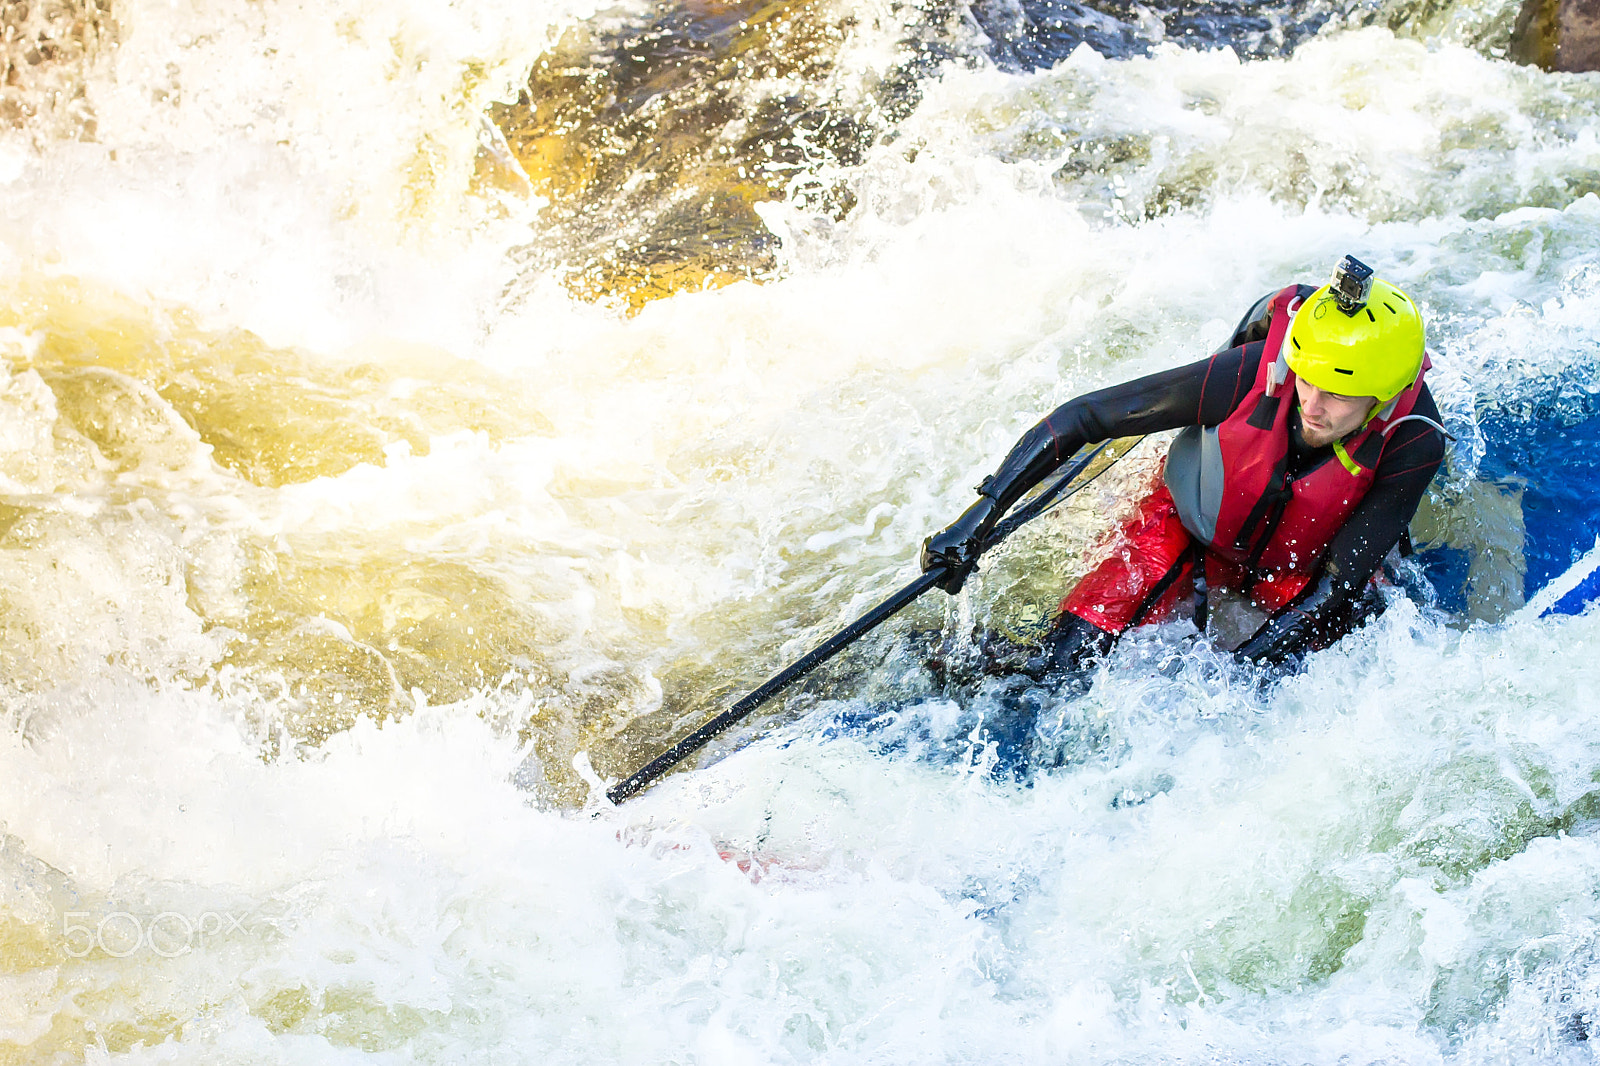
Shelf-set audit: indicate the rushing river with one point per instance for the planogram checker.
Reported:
(415, 414)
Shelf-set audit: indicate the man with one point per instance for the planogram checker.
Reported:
(1305, 449)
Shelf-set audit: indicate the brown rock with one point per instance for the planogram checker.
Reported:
(1558, 34)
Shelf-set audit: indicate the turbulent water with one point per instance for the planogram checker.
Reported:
(414, 415)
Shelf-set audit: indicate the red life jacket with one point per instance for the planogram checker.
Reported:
(1230, 482)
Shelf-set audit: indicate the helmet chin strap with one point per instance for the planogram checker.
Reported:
(1379, 411)
(1382, 411)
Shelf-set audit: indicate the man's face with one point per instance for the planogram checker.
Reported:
(1327, 416)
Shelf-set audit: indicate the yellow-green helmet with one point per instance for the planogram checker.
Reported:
(1376, 351)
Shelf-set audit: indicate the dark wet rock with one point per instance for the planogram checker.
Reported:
(1033, 34)
(655, 135)
(1558, 35)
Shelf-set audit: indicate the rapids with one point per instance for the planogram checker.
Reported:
(415, 414)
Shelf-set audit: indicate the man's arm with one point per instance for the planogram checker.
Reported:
(1170, 399)
(1325, 610)
(1204, 392)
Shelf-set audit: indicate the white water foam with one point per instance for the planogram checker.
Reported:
(1381, 860)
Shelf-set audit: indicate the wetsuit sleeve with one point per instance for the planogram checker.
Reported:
(1326, 610)
(1203, 393)
(1410, 459)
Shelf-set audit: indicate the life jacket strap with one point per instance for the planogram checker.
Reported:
(1197, 566)
(1279, 372)
(1262, 521)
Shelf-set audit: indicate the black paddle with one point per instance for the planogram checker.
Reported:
(1056, 491)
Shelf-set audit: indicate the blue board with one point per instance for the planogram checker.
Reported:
(1549, 454)
(1571, 592)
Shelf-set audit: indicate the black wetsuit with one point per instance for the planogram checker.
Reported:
(1205, 393)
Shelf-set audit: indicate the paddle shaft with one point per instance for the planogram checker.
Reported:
(642, 777)
(813, 659)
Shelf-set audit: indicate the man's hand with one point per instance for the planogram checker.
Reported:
(1313, 620)
(957, 548)
(1283, 640)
